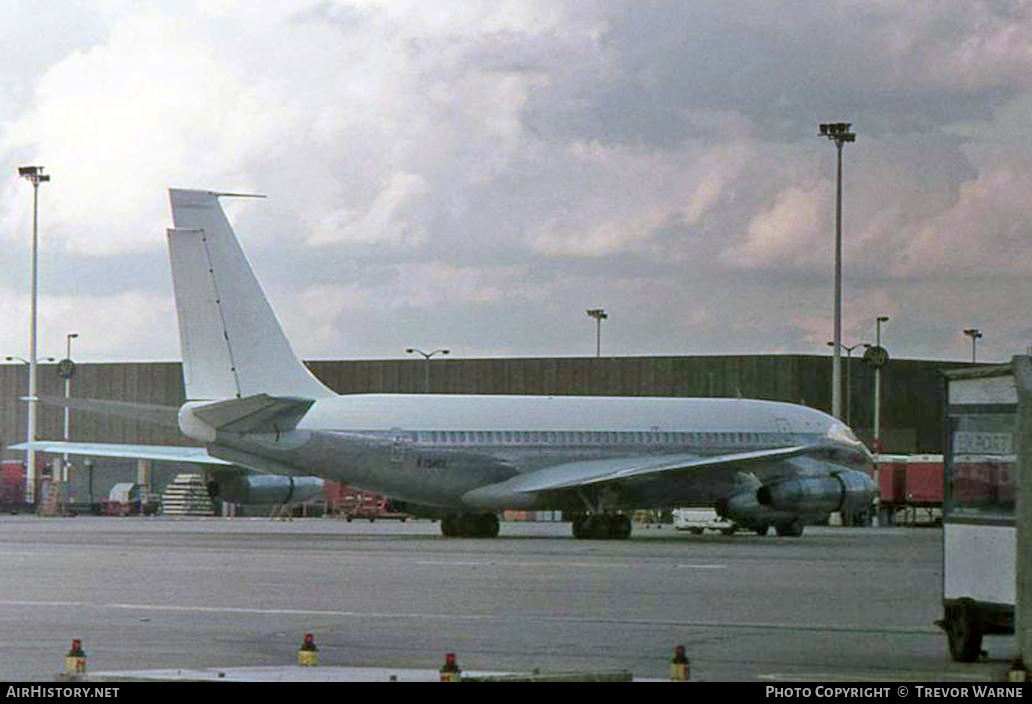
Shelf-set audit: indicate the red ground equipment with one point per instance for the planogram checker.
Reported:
(350, 503)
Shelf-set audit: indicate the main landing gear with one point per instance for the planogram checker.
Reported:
(470, 525)
(790, 529)
(602, 526)
(963, 630)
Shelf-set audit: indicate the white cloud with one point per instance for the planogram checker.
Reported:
(791, 233)
(125, 326)
(487, 154)
(620, 197)
(986, 228)
(386, 221)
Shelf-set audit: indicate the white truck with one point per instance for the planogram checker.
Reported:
(699, 520)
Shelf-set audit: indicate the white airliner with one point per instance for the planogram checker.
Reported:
(259, 411)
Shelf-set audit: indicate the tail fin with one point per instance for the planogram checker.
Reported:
(232, 343)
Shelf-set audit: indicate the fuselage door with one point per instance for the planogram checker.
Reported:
(400, 440)
(786, 436)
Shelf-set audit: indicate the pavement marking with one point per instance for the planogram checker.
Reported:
(455, 564)
(523, 617)
(524, 564)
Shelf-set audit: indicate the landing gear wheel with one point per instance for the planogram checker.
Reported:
(605, 526)
(963, 633)
(470, 526)
(599, 527)
(792, 529)
(488, 526)
(620, 527)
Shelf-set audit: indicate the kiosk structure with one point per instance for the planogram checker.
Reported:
(981, 477)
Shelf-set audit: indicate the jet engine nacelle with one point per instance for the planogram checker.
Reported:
(744, 509)
(847, 491)
(265, 489)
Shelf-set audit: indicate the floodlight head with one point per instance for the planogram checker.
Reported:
(598, 313)
(973, 333)
(837, 131)
(33, 173)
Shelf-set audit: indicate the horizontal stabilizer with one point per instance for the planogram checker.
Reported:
(160, 453)
(260, 413)
(150, 413)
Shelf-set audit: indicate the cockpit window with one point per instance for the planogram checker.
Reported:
(842, 433)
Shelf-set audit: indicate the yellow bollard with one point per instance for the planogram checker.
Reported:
(450, 671)
(75, 660)
(308, 654)
(680, 668)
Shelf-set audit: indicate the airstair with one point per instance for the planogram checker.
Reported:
(187, 495)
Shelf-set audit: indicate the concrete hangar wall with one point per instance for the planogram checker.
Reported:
(912, 391)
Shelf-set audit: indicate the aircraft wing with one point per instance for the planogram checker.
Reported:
(619, 469)
(575, 474)
(161, 453)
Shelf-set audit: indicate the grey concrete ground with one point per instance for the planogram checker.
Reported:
(154, 593)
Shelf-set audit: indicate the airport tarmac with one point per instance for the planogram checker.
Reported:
(837, 604)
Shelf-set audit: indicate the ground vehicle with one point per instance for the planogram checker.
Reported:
(979, 530)
(698, 520)
(350, 503)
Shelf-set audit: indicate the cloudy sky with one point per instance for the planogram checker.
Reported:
(475, 175)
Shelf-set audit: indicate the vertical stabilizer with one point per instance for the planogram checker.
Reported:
(232, 343)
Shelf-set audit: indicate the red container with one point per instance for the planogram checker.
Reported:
(12, 481)
(1006, 483)
(924, 479)
(892, 479)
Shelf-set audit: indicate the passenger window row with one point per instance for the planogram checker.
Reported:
(542, 437)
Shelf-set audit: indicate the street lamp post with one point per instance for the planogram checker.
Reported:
(35, 175)
(849, 387)
(877, 383)
(16, 358)
(67, 372)
(599, 314)
(426, 368)
(839, 133)
(974, 334)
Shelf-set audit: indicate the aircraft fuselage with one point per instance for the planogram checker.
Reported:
(432, 450)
